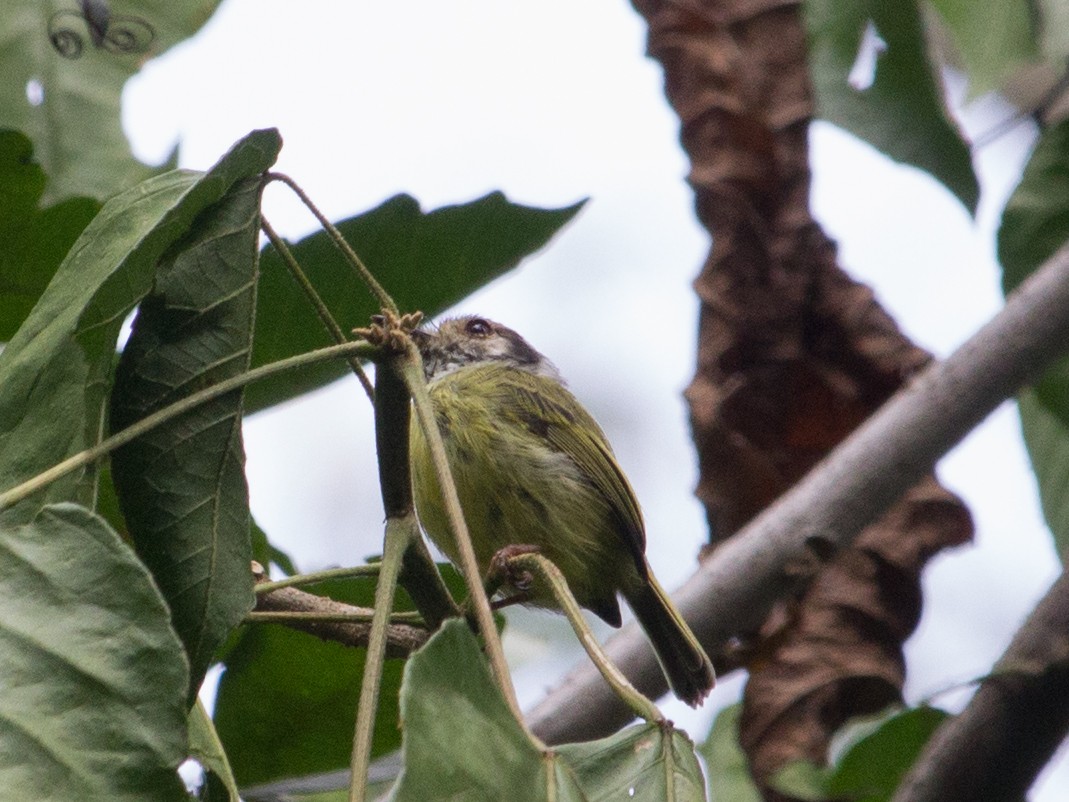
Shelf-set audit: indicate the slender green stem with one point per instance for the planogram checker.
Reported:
(318, 576)
(384, 299)
(316, 300)
(16, 494)
(398, 533)
(552, 576)
(412, 371)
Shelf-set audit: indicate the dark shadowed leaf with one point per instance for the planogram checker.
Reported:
(182, 485)
(76, 127)
(286, 705)
(1034, 225)
(55, 372)
(33, 241)
(425, 260)
(460, 740)
(279, 680)
(903, 112)
(94, 677)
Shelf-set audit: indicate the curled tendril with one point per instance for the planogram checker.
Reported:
(128, 35)
(66, 41)
(122, 34)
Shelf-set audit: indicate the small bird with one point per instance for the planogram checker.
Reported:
(532, 468)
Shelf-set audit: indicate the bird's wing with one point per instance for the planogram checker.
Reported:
(570, 429)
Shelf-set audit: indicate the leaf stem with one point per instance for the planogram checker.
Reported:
(371, 569)
(16, 494)
(384, 299)
(316, 300)
(398, 533)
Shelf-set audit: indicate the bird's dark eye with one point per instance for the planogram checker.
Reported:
(479, 327)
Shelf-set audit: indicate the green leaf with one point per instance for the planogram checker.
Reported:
(729, 771)
(1035, 222)
(76, 129)
(903, 113)
(206, 748)
(54, 374)
(641, 762)
(994, 38)
(33, 241)
(182, 486)
(1034, 225)
(425, 260)
(882, 751)
(872, 755)
(94, 677)
(286, 704)
(1046, 436)
(460, 739)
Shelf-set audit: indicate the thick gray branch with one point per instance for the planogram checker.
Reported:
(733, 590)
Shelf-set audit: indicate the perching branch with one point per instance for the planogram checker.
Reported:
(550, 576)
(1010, 729)
(733, 590)
(401, 639)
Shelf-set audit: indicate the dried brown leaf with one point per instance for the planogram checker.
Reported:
(837, 652)
(793, 354)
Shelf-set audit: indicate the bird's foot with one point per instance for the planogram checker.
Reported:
(502, 573)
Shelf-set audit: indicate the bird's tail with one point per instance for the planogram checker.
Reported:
(685, 663)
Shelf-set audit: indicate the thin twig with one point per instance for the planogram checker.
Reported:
(16, 494)
(551, 575)
(384, 299)
(398, 533)
(372, 569)
(316, 300)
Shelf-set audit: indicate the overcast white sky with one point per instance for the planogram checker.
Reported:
(552, 102)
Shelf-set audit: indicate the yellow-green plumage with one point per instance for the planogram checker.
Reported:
(533, 468)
